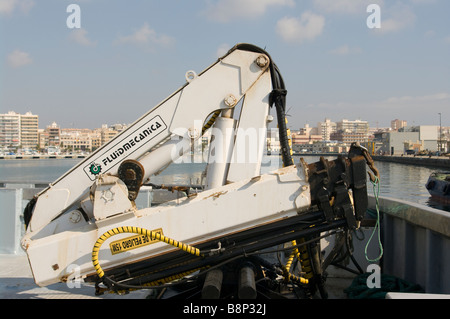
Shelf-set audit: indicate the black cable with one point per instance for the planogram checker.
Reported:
(277, 98)
(349, 253)
(347, 243)
(114, 284)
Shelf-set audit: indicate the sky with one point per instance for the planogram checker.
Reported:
(128, 56)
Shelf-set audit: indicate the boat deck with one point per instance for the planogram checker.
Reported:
(416, 242)
(16, 282)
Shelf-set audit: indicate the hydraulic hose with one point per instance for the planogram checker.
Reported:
(141, 231)
(277, 97)
(211, 121)
(291, 277)
(168, 281)
(305, 261)
(286, 269)
(283, 130)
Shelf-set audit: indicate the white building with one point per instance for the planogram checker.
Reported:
(325, 128)
(356, 126)
(273, 141)
(418, 138)
(18, 130)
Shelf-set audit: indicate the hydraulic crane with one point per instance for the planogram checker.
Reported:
(210, 238)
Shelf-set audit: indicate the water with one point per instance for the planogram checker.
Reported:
(404, 182)
(34, 170)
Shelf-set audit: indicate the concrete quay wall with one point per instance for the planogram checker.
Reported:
(439, 162)
(39, 156)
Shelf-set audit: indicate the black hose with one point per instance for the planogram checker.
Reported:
(115, 285)
(277, 97)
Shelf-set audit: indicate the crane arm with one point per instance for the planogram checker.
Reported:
(219, 87)
(87, 219)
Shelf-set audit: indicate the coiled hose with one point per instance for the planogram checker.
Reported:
(140, 231)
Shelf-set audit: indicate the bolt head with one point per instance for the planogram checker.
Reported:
(230, 100)
(75, 216)
(262, 61)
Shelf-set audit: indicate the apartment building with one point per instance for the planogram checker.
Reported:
(351, 131)
(348, 137)
(18, 130)
(107, 133)
(54, 134)
(304, 136)
(356, 126)
(398, 124)
(10, 130)
(325, 129)
(50, 136)
(79, 140)
(29, 124)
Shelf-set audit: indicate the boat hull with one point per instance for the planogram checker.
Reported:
(438, 185)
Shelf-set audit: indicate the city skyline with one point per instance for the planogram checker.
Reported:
(393, 124)
(125, 59)
(21, 132)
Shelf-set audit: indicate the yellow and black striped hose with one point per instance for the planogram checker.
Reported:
(140, 231)
(211, 121)
(289, 276)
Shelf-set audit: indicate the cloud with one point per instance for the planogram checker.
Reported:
(395, 15)
(421, 109)
(9, 6)
(399, 16)
(346, 50)
(294, 30)
(18, 59)
(80, 36)
(227, 10)
(416, 99)
(145, 36)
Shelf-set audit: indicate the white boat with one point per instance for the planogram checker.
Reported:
(415, 242)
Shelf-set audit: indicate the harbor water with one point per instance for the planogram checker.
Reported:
(406, 182)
